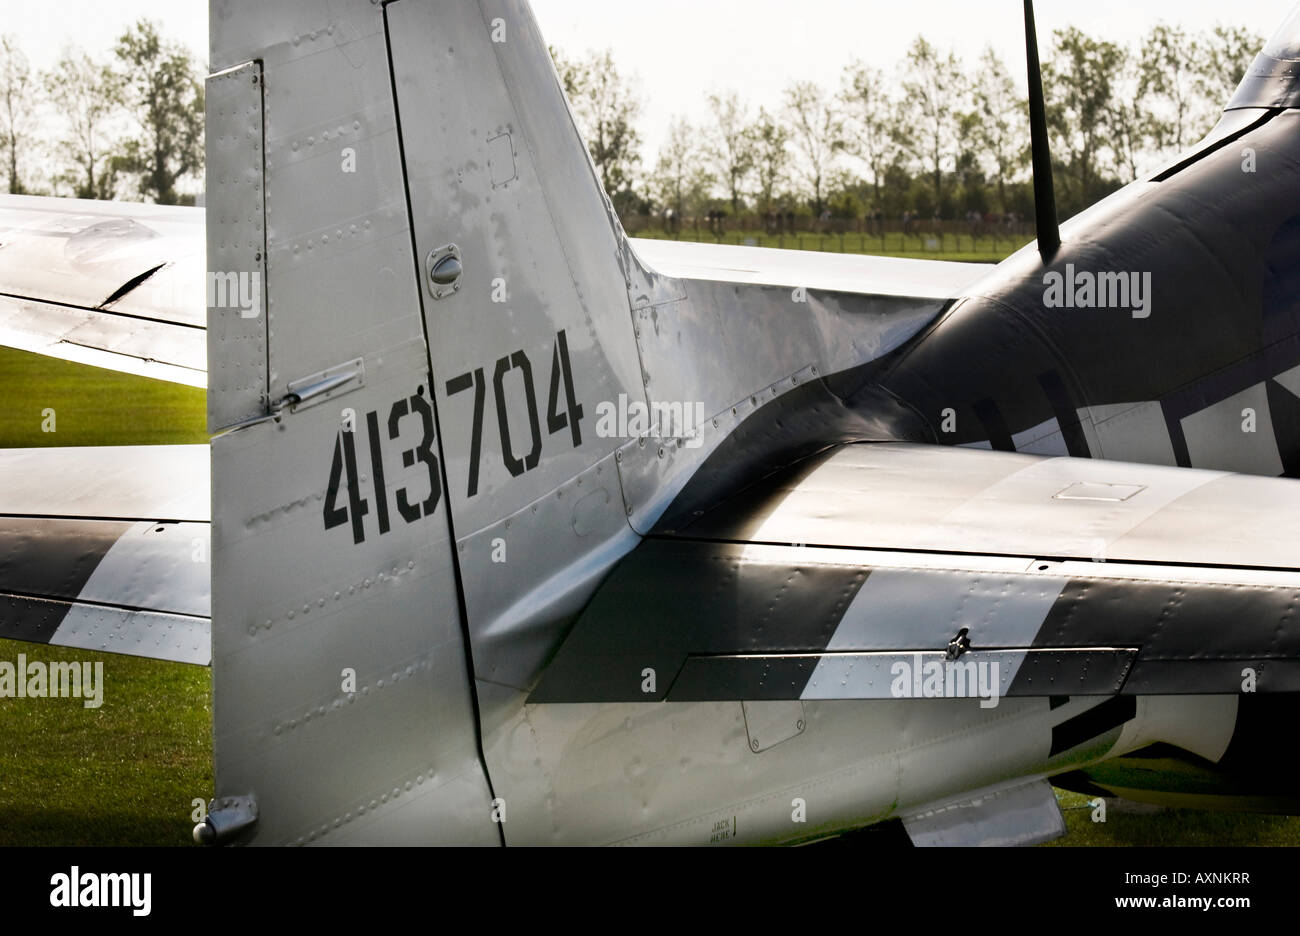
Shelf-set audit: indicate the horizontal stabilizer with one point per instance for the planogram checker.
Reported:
(899, 571)
(107, 549)
(831, 272)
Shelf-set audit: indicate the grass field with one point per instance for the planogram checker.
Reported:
(127, 773)
(92, 406)
(960, 247)
(123, 774)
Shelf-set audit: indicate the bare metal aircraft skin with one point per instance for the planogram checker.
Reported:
(523, 532)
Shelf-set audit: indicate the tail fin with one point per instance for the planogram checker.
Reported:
(1272, 79)
(437, 293)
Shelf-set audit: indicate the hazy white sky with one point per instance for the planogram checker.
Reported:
(680, 50)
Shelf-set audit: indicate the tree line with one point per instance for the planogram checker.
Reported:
(932, 138)
(130, 127)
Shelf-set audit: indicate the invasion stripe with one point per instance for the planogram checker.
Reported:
(1093, 723)
(43, 559)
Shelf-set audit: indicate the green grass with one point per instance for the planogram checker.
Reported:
(958, 247)
(1172, 827)
(127, 773)
(92, 406)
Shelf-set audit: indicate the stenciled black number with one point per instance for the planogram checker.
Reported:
(422, 453)
(345, 460)
(459, 385)
(514, 465)
(557, 419)
(344, 467)
(560, 368)
(377, 465)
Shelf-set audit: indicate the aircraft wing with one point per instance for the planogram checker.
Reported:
(852, 273)
(107, 549)
(112, 284)
(853, 574)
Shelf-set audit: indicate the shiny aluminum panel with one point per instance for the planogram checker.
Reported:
(828, 272)
(236, 235)
(162, 351)
(300, 607)
(158, 482)
(1017, 814)
(81, 253)
(897, 496)
(152, 634)
(540, 252)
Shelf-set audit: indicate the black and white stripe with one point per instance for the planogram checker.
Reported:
(80, 567)
(729, 621)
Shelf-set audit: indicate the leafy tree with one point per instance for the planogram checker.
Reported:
(930, 87)
(771, 157)
(1225, 55)
(999, 128)
(869, 116)
(87, 94)
(816, 134)
(162, 90)
(970, 188)
(1128, 123)
(568, 70)
(849, 197)
(1079, 81)
(732, 147)
(681, 179)
(606, 107)
(1167, 83)
(18, 98)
